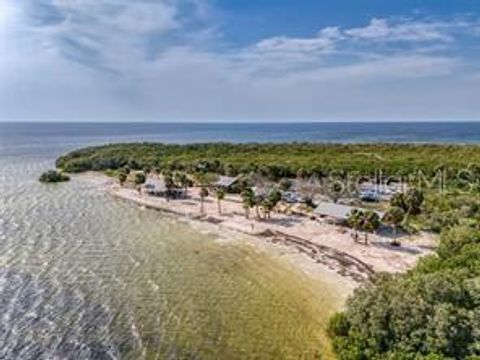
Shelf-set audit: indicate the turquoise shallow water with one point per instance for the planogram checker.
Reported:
(85, 276)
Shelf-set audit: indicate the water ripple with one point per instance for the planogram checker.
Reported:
(85, 276)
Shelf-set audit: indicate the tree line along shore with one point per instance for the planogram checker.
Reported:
(447, 174)
(277, 160)
(430, 312)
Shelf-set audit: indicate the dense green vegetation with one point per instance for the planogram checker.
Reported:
(447, 174)
(53, 176)
(282, 160)
(433, 312)
(449, 208)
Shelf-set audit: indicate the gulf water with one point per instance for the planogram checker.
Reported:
(85, 276)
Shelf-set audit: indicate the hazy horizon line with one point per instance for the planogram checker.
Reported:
(233, 122)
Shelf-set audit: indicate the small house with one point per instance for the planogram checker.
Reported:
(157, 187)
(337, 212)
(225, 183)
(377, 192)
(154, 186)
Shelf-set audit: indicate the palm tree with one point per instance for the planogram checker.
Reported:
(394, 217)
(169, 184)
(246, 207)
(410, 202)
(354, 221)
(248, 199)
(140, 178)
(184, 181)
(257, 201)
(274, 195)
(414, 200)
(370, 222)
(270, 201)
(267, 206)
(220, 197)
(122, 177)
(203, 195)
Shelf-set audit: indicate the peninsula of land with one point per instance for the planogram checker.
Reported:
(400, 222)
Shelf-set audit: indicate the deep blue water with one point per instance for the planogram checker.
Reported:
(59, 137)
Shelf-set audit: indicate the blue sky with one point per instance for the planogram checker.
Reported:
(303, 18)
(239, 60)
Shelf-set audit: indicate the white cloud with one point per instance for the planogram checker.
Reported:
(379, 38)
(323, 43)
(8, 15)
(108, 34)
(124, 16)
(383, 30)
(5, 13)
(391, 68)
(125, 60)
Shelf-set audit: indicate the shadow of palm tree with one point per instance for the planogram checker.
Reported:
(403, 249)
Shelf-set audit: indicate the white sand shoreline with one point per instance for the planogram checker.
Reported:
(306, 243)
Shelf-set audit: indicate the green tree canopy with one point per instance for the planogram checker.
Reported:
(394, 217)
(140, 178)
(53, 176)
(122, 177)
(432, 312)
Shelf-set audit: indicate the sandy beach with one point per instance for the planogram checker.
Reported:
(314, 242)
